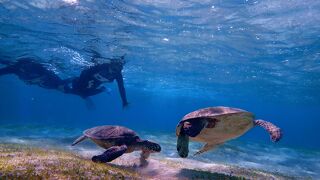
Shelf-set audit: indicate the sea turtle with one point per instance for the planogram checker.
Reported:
(215, 125)
(118, 140)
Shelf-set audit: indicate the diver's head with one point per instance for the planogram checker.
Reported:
(119, 60)
(117, 65)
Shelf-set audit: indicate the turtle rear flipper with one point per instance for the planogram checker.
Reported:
(207, 147)
(110, 154)
(81, 138)
(274, 131)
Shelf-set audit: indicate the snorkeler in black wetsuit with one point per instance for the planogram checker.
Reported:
(34, 73)
(88, 84)
(90, 81)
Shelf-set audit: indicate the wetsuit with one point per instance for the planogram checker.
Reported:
(34, 73)
(90, 81)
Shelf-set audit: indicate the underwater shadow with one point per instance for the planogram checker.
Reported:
(198, 174)
(125, 167)
(148, 169)
(133, 167)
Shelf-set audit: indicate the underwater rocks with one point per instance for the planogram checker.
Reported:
(24, 162)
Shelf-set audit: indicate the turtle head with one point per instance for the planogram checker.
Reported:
(183, 144)
(150, 146)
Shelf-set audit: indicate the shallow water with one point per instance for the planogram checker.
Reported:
(288, 161)
(261, 56)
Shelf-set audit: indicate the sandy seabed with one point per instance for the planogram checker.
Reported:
(29, 162)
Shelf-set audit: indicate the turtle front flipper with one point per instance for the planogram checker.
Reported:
(206, 147)
(110, 154)
(193, 127)
(183, 144)
(274, 131)
(188, 128)
(81, 138)
(143, 158)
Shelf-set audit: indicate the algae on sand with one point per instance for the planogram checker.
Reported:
(21, 161)
(24, 162)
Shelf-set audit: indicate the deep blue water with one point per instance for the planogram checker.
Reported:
(262, 56)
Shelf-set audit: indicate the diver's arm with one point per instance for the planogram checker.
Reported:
(122, 90)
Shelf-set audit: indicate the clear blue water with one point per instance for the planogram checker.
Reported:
(262, 56)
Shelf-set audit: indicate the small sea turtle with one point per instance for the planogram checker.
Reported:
(215, 125)
(118, 140)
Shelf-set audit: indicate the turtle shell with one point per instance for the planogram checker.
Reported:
(107, 136)
(229, 123)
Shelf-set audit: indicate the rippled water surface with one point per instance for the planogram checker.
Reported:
(262, 56)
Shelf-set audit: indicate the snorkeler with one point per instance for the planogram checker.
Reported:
(34, 73)
(90, 81)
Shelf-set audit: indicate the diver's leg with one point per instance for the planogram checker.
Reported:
(92, 92)
(110, 154)
(6, 62)
(194, 126)
(70, 86)
(89, 103)
(66, 85)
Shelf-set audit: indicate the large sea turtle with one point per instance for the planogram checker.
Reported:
(118, 140)
(215, 125)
